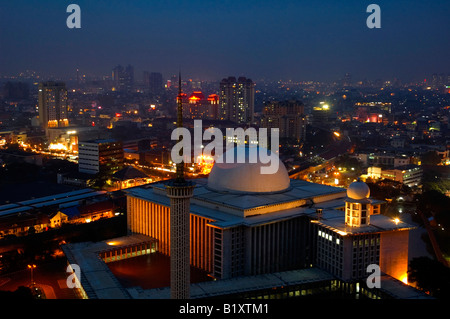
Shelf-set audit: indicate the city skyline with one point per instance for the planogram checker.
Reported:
(290, 40)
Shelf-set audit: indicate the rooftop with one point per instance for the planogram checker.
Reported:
(96, 278)
(237, 285)
(333, 220)
(229, 208)
(62, 199)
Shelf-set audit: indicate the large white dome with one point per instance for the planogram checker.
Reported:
(358, 190)
(247, 177)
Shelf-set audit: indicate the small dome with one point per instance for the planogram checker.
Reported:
(358, 190)
(247, 177)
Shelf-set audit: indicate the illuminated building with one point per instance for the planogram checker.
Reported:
(410, 175)
(130, 177)
(321, 114)
(259, 236)
(52, 98)
(382, 159)
(347, 246)
(40, 213)
(246, 223)
(237, 100)
(100, 155)
(198, 106)
(288, 116)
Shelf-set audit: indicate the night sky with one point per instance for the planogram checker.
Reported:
(209, 40)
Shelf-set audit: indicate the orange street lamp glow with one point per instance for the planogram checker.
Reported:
(31, 267)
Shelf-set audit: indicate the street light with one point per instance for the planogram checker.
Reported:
(31, 267)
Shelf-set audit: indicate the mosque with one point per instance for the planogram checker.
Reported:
(244, 223)
(257, 235)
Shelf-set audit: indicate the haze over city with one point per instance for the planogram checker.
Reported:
(287, 40)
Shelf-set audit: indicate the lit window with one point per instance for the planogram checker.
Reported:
(337, 241)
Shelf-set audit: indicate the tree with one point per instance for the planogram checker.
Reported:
(348, 163)
(430, 158)
(433, 180)
(430, 276)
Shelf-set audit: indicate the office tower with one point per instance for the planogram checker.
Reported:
(179, 191)
(321, 114)
(155, 82)
(52, 98)
(96, 156)
(123, 78)
(15, 90)
(237, 100)
(287, 116)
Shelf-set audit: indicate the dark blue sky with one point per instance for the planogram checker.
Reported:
(298, 40)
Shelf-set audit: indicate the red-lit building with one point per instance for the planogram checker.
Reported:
(198, 106)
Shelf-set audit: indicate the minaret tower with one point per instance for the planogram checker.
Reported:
(179, 191)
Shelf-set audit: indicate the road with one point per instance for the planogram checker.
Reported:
(51, 277)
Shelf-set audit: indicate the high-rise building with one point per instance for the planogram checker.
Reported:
(123, 78)
(15, 90)
(288, 116)
(237, 100)
(153, 81)
(95, 156)
(320, 114)
(52, 98)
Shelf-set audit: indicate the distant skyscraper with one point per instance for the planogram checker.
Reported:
(155, 82)
(347, 81)
(15, 90)
(287, 116)
(123, 78)
(320, 114)
(237, 100)
(52, 98)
